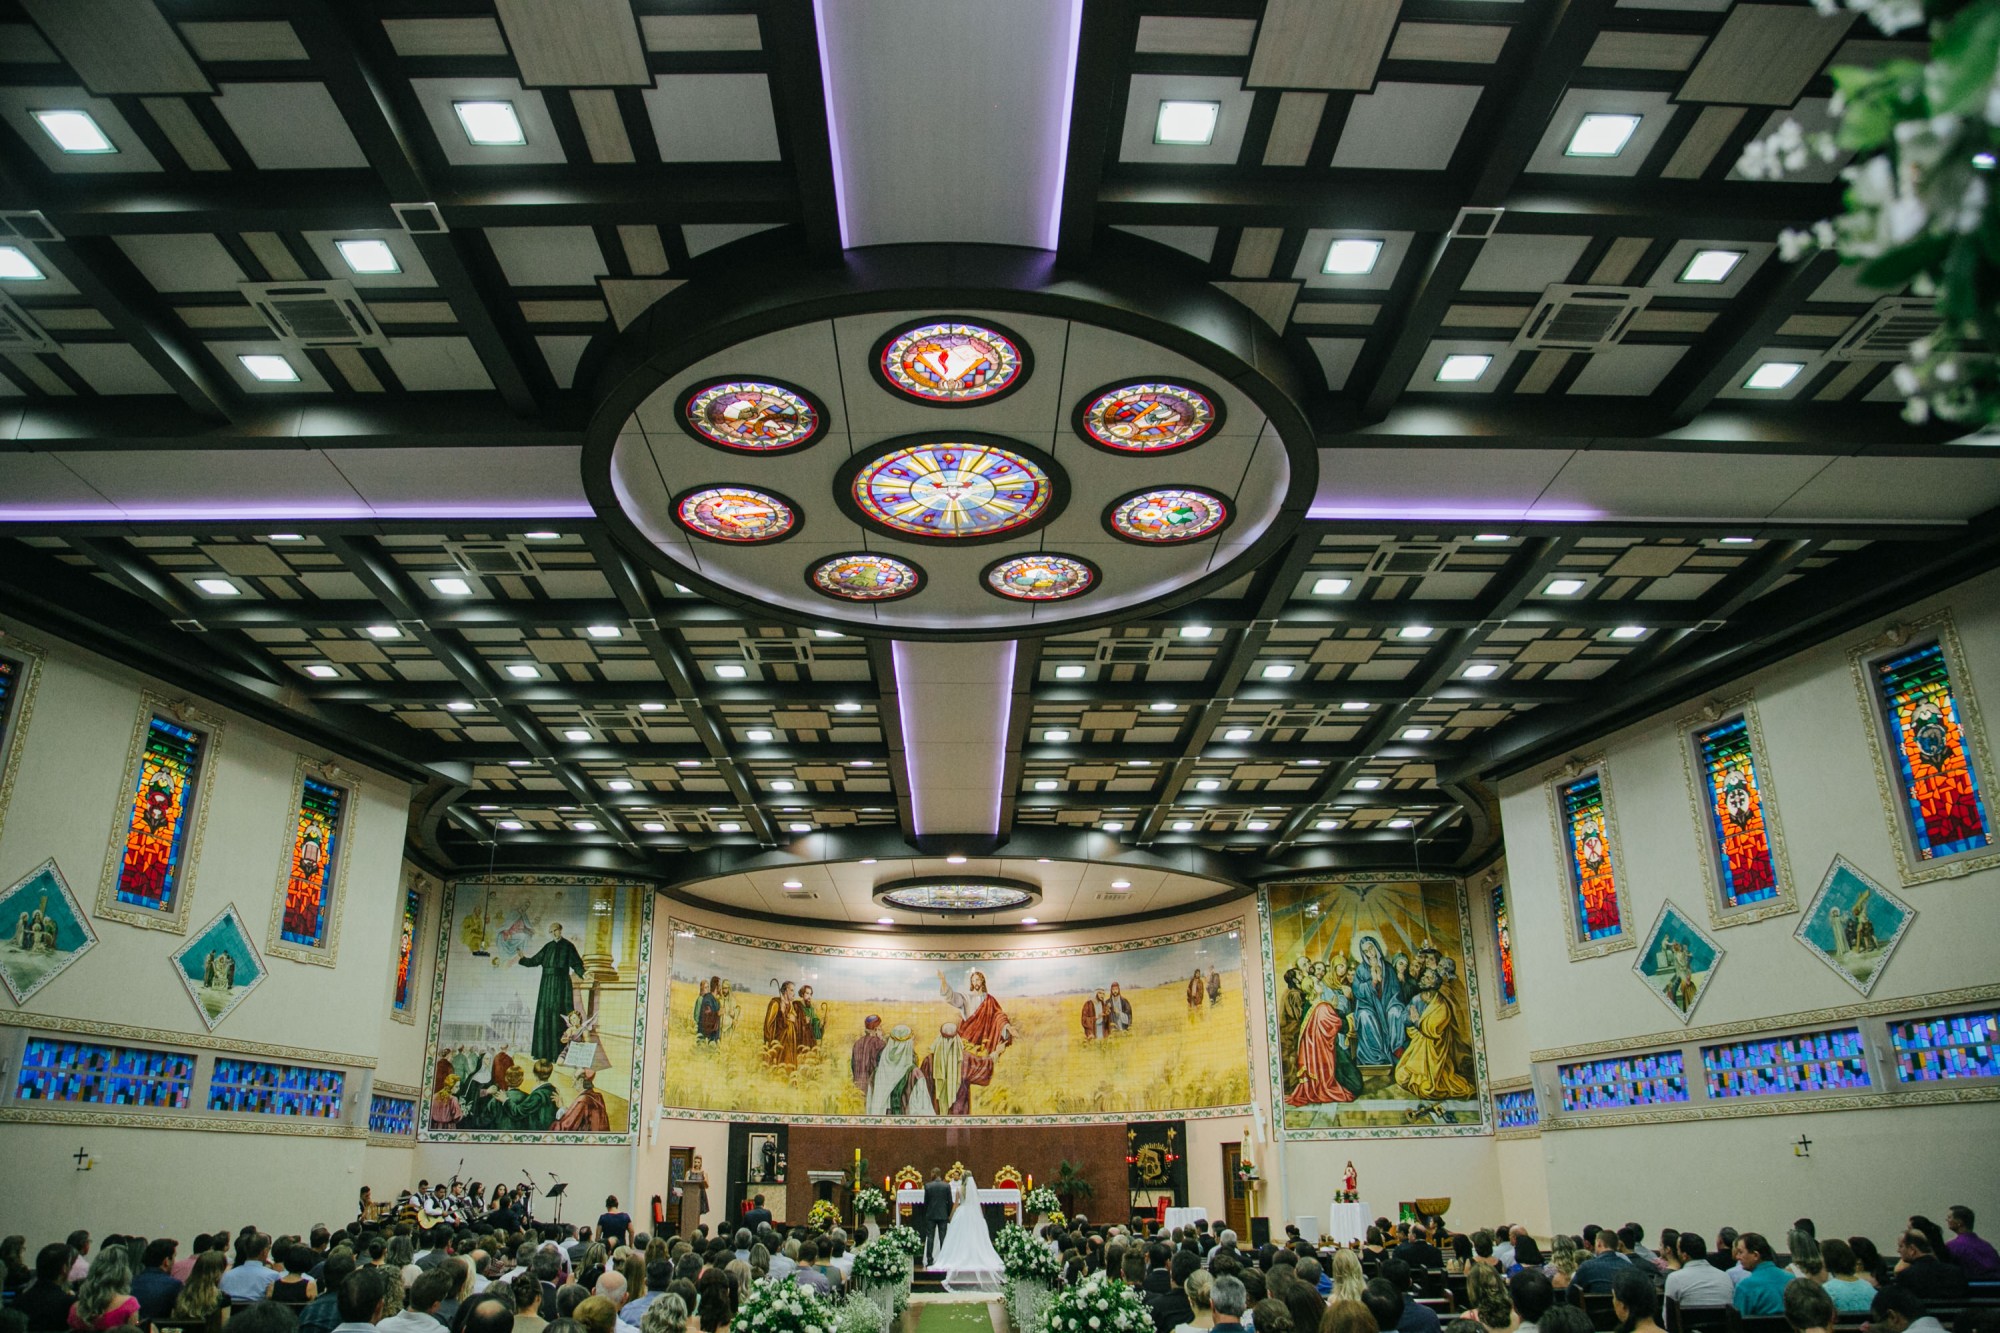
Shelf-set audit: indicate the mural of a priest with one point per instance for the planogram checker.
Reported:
(557, 959)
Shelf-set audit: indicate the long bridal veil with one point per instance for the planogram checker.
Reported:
(967, 1256)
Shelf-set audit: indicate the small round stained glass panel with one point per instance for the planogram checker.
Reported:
(736, 514)
(951, 363)
(862, 576)
(957, 895)
(1148, 417)
(755, 416)
(1168, 515)
(952, 491)
(1040, 577)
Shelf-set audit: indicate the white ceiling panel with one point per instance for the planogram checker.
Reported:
(1897, 488)
(195, 262)
(286, 126)
(1624, 484)
(114, 369)
(1463, 484)
(548, 256)
(395, 480)
(713, 118)
(1406, 126)
(1627, 371)
(1508, 263)
(427, 364)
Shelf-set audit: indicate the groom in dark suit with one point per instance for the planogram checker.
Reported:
(937, 1211)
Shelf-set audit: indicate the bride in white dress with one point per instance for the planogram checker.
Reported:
(966, 1255)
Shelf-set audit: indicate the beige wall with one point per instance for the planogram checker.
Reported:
(1867, 1171)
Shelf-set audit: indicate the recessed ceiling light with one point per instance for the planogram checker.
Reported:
(368, 255)
(1142, 763)
(542, 536)
(1564, 587)
(458, 706)
(576, 734)
(286, 537)
(1491, 537)
(604, 631)
(1121, 884)
(15, 265)
(620, 784)
(1046, 784)
(1415, 632)
(321, 671)
(1367, 784)
(864, 763)
(1463, 367)
(652, 828)
(794, 884)
(783, 784)
(489, 807)
(1055, 734)
(1331, 587)
(1355, 706)
(688, 763)
(524, 671)
(1160, 707)
(1183, 826)
(1069, 673)
(847, 706)
(1196, 631)
(1351, 256)
(1311, 763)
(446, 585)
(729, 828)
(1208, 784)
(1629, 632)
(1326, 825)
(1601, 134)
(800, 828)
(652, 708)
(867, 861)
(1480, 670)
(509, 825)
(490, 124)
(218, 587)
(1257, 825)
(1738, 541)
(1416, 733)
(1710, 265)
(828, 634)
(269, 368)
(954, 860)
(1277, 671)
(1186, 123)
(1030, 920)
(518, 763)
(730, 671)
(74, 131)
(384, 632)
(757, 734)
(1774, 375)
(583, 826)
(1114, 827)
(885, 920)
(1238, 734)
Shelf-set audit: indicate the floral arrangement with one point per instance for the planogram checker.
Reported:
(1246, 1172)
(1098, 1305)
(1920, 208)
(871, 1202)
(908, 1241)
(1025, 1256)
(879, 1261)
(859, 1314)
(1040, 1201)
(823, 1215)
(777, 1306)
(1054, 1217)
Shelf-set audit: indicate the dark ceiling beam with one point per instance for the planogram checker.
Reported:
(130, 571)
(357, 89)
(499, 613)
(651, 753)
(1771, 297)
(435, 421)
(607, 693)
(1733, 592)
(798, 85)
(1105, 41)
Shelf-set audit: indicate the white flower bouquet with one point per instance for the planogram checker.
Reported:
(871, 1202)
(1098, 1305)
(777, 1306)
(1040, 1201)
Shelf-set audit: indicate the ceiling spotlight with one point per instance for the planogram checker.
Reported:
(1629, 632)
(1277, 671)
(576, 734)
(384, 632)
(1257, 825)
(1774, 375)
(1113, 826)
(15, 266)
(519, 763)
(730, 671)
(847, 706)
(543, 536)
(509, 825)
(1331, 587)
(369, 255)
(1351, 257)
(1416, 733)
(1238, 734)
(1046, 784)
(1311, 763)
(218, 587)
(1401, 823)
(867, 861)
(1142, 763)
(954, 860)
(286, 537)
(619, 784)
(1415, 632)
(1367, 784)
(757, 734)
(74, 131)
(524, 671)
(1069, 673)
(490, 124)
(1121, 884)
(321, 671)
(729, 828)
(885, 920)
(583, 826)
(1564, 587)
(652, 708)
(1326, 825)
(1463, 367)
(652, 828)
(1601, 135)
(1355, 706)
(268, 368)
(783, 784)
(448, 585)
(1480, 670)
(864, 763)
(1187, 124)
(458, 706)
(1030, 920)
(828, 634)
(688, 763)
(1183, 826)
(1208, 784)
(1196, 631)
(1161, 706)
(794, 884)
(1738, 541)
(800, 828)
(1710, 265)
(1055, 734)
(1491, 537)
(604, 631)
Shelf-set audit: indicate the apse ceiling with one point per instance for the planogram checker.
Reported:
(320, 361)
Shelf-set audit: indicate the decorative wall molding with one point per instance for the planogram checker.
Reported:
(679, 927)
(396, 1089)
(275, 943)
(392, 1141)
(1505, 1134)
(85, 1027)
(1512, 1083)
(54, 1115)
(211, 727)
(1767, 791)
(14, 731)
(1777, 1106)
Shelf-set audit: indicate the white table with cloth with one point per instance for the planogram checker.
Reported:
(909, 1200)
(1184, 1217)
(1347, 1223)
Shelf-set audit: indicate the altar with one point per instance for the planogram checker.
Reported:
(1347, 1223)
(910, 1199)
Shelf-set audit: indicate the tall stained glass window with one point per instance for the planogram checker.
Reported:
(1944, 809)
(1739, 831)
(406, 947)
(309, 878)
(1503, 945)
(161, 817)
(10, 689)
(1586, 837)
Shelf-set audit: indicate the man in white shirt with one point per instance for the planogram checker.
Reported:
(420, 1305)
(1696, 1285)
(250, 1281)
(784, 1259)
(1503, 1246)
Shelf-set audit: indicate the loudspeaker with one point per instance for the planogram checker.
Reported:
(1260, 1232)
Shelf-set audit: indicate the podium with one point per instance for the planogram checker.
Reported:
(694, 1190)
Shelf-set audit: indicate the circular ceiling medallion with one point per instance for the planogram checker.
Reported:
(1041, 577)
(967, 896)
(1148, 416)
(951, 363)
(758, 416)
(1167, 515)
(863, 576)
(965, 489)
(738, 514)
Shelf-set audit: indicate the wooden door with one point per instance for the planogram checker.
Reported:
(1236, 1200)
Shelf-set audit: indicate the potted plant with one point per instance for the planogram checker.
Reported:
(1071, 1185)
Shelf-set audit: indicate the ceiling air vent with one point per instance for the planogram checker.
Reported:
(315, 314)
(493, 557)
(19, 332)
(777, 652)
(1887, 330)
(1581, 319)
(1293, 719)
(1131, 652)
(608, 719)
(1410, 557)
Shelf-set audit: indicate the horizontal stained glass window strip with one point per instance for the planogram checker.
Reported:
(1766, 1066)
(1587, 839)
(309, 881)
(1627, 1080)
(54, 1070)
(261, 1088)
(1746, 871)
(1931, 1050)
(1934, 773)
(1517, 1110)
(391, 1115)
(162, 812)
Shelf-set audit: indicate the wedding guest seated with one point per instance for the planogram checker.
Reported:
(1762, 1290)
(105, 1299)
(1532, 1295)
(668, 1314)
(1698, 1284)
(1845, 1287)
(1636, 1302)
(1921, 1271)
(1968, 1249)
(202, 1297)
(1347, 1317)
(154, 1286)
(1807, 1307)
(1897, 1309)
(293, 1286)
(808, 1273)
(360, 1299)
(251, 1279)
(45, 1301)
(1487, 1296)
(1197, 1287)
